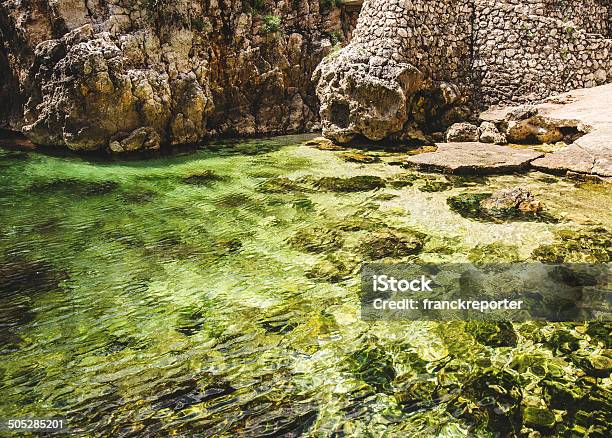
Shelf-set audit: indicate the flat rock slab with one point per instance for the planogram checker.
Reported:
(571, 158)
(474, 158)
(590, 109)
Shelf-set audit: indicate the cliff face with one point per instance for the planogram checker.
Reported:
(129, 75)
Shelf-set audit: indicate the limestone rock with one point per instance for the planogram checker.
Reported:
(517, 199)
(108, 74)
(461, 132)
(488, 133)
(364, 97)
(533, 129)
(378, 87)
(478, 158)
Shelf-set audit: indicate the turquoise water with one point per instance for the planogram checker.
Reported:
(216, 292)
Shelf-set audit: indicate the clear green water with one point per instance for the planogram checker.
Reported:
(135, 301)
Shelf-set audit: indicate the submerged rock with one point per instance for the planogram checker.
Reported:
(138, 196)
(403, 180)
(538, 417)
(234, 200)
(516, 204)
(494, 253)
(75, 187)
(316, 240)
(358, 157)
(203, 178)
(496, 402)
(331, 269)
(281, 185)
(511, 203)
(431, 186)
(462, 132)
(353, 184)
(323, 144)
(373, 365)
(577, 246)
(392, 243)
(493, 334)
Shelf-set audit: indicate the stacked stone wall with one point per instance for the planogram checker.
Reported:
(527, 50)
(433, 35)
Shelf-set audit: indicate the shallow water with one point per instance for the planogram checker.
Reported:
(158, 297)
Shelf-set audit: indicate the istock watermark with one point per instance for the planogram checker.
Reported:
(511, 291)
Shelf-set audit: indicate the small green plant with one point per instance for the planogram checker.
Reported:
(337, 37)
(165, 13)
(198, 24)
(272, 23)
(564, 54)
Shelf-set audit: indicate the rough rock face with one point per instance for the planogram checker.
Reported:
(391, 80)
(134, 75)
(462, 132)
(413, 58)
(488, 133)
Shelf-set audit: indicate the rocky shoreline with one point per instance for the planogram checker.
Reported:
(125, 77)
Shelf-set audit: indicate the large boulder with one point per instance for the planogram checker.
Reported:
(364, 96)
(382, 85)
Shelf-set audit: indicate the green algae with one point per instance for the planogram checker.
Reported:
(474, 206)
(159, 307)
(574, 246)
(316, 240)
(432, 185)
(331, 268)
(363, 183)
(358, 157)
(493, 334)
(281, 185)
(392, 243)
(203, 178)
(494, 253)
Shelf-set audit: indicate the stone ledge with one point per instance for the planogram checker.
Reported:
(474, 158)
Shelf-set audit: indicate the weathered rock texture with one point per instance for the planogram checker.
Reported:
(129, 75)
(526, 50)
(473, 158)
(395, 75)
(413, 58)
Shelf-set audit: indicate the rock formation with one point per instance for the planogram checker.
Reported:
(391, 80)
(409, 62)
(133, 75)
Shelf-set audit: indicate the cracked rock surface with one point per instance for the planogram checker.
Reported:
(587, 110)
(126, 76)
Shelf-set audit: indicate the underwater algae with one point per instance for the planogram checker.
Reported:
(216, 293)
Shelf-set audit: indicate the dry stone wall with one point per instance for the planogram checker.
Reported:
(527, 50)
